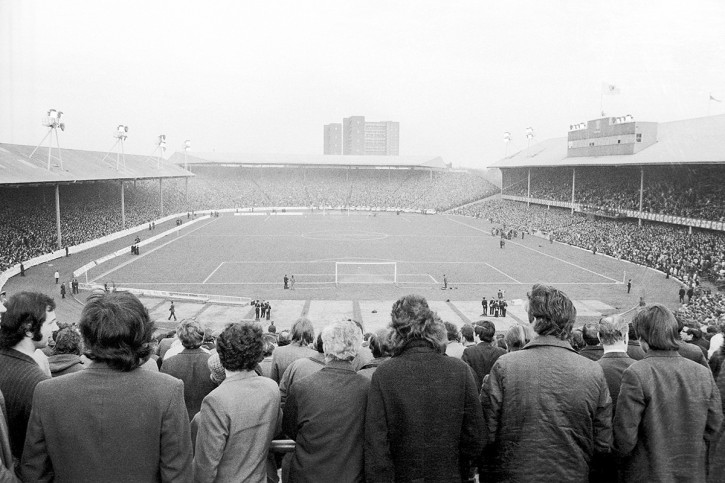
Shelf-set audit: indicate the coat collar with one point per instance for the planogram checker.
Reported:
(418, 346)
(240, 375)
(615, 355)
(658, 353)
(549, 340)
(342, 365)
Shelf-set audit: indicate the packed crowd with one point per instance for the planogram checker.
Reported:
(691, 192)
(421, 400)
(677, 252)
(90, 211)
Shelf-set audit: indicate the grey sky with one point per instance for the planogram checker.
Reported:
(265, 76)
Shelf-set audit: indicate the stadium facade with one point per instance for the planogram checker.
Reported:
(612, 145)
(366, 138)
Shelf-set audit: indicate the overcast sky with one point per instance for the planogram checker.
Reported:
(265, 76)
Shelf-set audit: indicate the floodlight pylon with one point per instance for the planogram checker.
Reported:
(120, 134)
(52, 121)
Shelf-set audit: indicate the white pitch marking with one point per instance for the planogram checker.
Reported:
(434, 280)
(502, 273)
(212, 273)
(138, 257)
(539, 252)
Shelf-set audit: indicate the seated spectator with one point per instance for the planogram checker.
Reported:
(571, 415)
(380, 347)
(190, 365)
(66, 357)
(107, 441)
(593, 349)
(26, 326)
(518, 336)
(482, 356)
(417, 393)
(302, 336)
(325, 413)
(665, 387)
(238, 419)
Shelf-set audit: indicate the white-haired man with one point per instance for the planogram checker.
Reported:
(325, 413)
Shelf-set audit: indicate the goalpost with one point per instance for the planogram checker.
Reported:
(366, 272)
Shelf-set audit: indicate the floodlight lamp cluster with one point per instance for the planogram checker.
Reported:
(121, 132)
(53, 120)
(529, 132)
(187, 145)
(507, 137)
(578, 127)
(162, 142)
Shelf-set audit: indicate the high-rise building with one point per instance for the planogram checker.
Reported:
(353, 135)
(368, 138)
(333, 138)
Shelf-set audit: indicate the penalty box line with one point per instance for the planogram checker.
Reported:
(539, 252)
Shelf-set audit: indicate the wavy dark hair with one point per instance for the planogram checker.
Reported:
(117, 330)
(656, 325)
(241, 346)
(380, 343)
(412, 319)
(551, 311)
(26, 312)
(190, 333)
(67, 341)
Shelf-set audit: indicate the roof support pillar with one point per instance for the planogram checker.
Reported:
(161, 199)
(123, 207)
(431, 174)
(641, 194)
(573, 186)
(57, 215)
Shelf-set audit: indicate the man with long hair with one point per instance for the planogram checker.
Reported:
(112, 421)
(419, 394)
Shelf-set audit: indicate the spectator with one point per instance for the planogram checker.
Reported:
(66, 357)
(634, 350)
(301, 368)
(364, 355)
(576, 339)
(420, 392)
(593, 349)
(518, 336)
(482, 357)
(107, 442)
(270, 344)
(467, 335)
(190, 365)
(665, 387)
(302, 335)
(380, 347)
(613, 332)
(688, 350)
(7, 467)
(325, 414)
(238, 419)
(26, 326)
(570, 415)
(454, 348)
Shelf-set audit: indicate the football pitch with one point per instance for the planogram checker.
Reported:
(379, 258)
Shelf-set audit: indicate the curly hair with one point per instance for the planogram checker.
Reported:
(380, 343)
(412, 319)
(452, 332)
(190, 333)
(241, 346)
(341, 341)
(518, 336)
(117, 330)
(551, 311)
(26, 312)
(67, 341)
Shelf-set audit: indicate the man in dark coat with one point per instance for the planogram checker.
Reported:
(112, 421)
(482, 356)
(325, 413)
(593, 349)
(669, 407)
(423, 419)
(548, 411)
(27, 325)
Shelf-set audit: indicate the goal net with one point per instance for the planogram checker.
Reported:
(366, 272)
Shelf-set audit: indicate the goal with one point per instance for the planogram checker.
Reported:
(366, 272)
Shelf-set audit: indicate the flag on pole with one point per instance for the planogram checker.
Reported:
(610, 89)
(713, 99)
